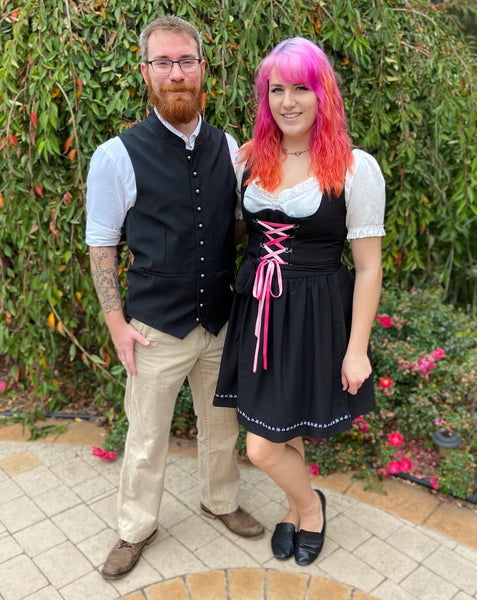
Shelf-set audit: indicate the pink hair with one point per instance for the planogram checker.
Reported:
(298, 60)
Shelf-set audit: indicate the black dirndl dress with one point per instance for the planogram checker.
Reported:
(289, 328)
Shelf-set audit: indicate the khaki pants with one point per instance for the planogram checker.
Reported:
(149, 404)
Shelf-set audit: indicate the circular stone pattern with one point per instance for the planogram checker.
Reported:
(248, 584)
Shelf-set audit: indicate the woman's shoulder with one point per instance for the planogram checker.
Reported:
(364, 179)
(361, 157)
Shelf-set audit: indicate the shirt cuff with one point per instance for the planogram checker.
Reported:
(355, 233)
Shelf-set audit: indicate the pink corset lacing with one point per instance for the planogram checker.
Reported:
(262, 287)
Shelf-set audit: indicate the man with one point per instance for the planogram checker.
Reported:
(170, 181)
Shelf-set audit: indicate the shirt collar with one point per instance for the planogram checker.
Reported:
(189, 142)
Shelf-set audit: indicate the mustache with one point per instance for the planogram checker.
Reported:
(178, 87)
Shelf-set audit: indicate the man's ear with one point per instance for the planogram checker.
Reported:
(145, 73)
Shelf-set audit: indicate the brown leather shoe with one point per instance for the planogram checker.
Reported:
(123, 557)
(240, 522)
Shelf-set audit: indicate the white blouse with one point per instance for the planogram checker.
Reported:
(364, 196)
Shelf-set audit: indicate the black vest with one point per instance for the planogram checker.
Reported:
(180, 229)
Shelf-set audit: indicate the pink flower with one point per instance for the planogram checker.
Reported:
(384, 321)
(385, 382)
(103, 454)
(363, 426)
(395, 439)
(393, 468)
(3, 385)
(406, 465)
(426, 365)
(433, 482)
(315, 469)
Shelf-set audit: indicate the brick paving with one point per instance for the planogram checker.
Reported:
(57, 523)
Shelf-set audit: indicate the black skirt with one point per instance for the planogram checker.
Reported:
(300, 391)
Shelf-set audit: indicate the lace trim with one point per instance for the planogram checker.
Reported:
(299, 188)
(355, 233)
(321, 426)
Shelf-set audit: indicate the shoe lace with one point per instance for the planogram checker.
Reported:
(124, 544)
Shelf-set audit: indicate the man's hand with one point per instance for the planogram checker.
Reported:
(104, 268)
(124, 337)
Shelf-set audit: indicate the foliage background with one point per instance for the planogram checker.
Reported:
(70, 79)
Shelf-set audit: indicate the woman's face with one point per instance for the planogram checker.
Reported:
(294, 107)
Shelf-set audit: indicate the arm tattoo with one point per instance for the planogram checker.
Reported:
(104, 268)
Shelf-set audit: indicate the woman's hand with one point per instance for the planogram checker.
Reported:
(355, 369)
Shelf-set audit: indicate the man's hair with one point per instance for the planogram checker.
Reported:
(170, 23)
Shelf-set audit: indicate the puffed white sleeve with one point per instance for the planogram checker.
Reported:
(239, 169)
(110, 193)
(365, 197)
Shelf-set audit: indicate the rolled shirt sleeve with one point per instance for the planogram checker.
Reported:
(111, 191)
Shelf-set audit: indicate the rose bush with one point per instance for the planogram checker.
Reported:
(425, 369)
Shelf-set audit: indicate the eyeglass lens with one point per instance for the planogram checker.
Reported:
(164, 65)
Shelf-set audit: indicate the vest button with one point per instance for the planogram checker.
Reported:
(201, 243)
(189, 157)
(194, 173)
(200, 225)
(201, 306)
(197, 319)
(199, 208)
(197, 191)
(202, 275)
(202, 258)
(201, 290)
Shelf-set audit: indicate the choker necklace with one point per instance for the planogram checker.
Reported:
(297, 153)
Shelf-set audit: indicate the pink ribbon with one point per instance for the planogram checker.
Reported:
(262, 288)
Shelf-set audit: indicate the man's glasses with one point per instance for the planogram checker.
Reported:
(164, 65)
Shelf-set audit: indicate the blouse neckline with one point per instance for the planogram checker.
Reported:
(302, 186)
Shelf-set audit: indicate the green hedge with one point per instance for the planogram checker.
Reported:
(70, 79)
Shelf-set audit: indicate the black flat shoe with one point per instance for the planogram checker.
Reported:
(308, 544)
(283, 541)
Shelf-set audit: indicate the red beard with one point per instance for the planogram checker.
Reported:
(177, 108)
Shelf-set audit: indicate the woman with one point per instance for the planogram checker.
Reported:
(296, 359)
